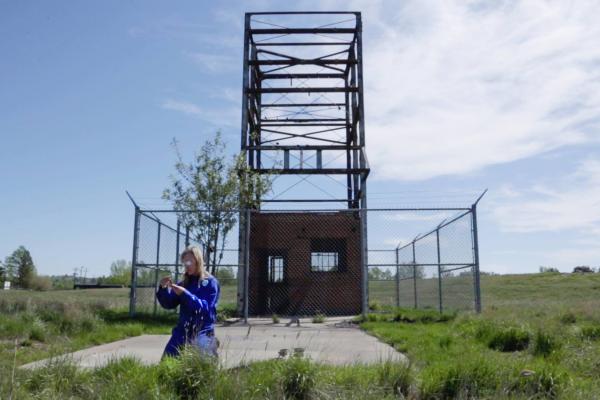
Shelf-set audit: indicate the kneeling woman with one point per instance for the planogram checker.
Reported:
(197, 297)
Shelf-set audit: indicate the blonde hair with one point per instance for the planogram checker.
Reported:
(195, 252)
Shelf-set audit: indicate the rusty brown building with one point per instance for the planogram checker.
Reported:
(304, 263)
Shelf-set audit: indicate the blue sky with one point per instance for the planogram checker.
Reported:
(459, 96)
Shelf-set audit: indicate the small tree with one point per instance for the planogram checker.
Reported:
(120, 273)
(583, 269)
(548, 270)
(2, 272)
(20, 265)
(216, 187)
(225, 275)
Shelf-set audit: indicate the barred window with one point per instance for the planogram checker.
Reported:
(275, 269)
(324, 261)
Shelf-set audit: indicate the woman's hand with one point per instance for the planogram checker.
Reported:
(178, 289)
(165, 282)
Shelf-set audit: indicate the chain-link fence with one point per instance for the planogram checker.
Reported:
(436, 269)
(330, 262)
(158, 244)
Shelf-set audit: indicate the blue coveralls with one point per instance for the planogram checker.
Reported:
(197, 311)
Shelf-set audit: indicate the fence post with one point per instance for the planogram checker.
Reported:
(414, 263)
(133, 288)
(437, 237)
(397, 278)
(364, 262)
(477, 280)
(177, 251)
(246, 264)
(187, 236)
(156, 270)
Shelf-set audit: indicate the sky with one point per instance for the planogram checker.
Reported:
(460, 96)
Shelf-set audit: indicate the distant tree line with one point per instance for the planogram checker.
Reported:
(19, 269)
(120, 274)
(389, 273)
(583, 269)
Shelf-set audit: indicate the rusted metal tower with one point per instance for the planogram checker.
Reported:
(302, 109)
(303, 121)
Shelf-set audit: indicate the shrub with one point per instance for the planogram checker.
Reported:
(545, 383)
(191, 374)
(37, 330)
(568, 318)
(59, 378)
(472, 378)
(591, 332)
(275, 318)
(545, 344)
(423, 316)
(127, 378)
(549, 270)
(583, 269)
(395, 377)
(507, 339)
(226, 311)
(298, 378)
(40, 283)
(318, 318)
(445, 341)
(133, 329)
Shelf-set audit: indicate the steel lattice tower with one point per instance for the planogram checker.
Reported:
(302, 108)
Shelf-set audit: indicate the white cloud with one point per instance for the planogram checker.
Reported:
(452, 87)
(218, 117)
(184, 107)
(215, 61)
(437, 217)
(570, 202)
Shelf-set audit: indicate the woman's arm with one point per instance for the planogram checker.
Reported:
(194, 303)
(167, 298)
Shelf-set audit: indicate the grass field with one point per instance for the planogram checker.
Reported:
(538, 337)
(457, 293)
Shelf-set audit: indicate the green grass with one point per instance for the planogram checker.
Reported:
(193, 377)
(538, 337)
(55, 322)
(548, 324)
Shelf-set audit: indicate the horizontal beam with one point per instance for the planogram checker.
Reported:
(289, 31)
(304, 120)
(303, 12)
(410, 264)
(277, 105)
(301, 61)
(305, 124)
(311, 171)
(170, 211)
(304, 90)
(303, 76)
(305, 201)
(303, 147)
(304, 44)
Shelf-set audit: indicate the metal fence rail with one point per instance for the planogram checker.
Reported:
(311, 262)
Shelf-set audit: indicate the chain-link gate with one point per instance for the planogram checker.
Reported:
(329, 262)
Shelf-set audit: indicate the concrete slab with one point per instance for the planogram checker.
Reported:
(334, 342)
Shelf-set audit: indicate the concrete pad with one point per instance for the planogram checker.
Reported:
(147, 348)
(334, 342)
